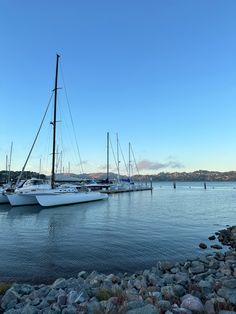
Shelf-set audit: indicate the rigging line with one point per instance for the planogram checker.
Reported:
(134, 159)
(72, 122)
(124, 160)
(41, 124)
(113, 153)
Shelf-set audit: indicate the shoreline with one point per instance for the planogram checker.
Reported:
(206, 284)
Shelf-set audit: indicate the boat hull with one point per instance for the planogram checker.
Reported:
(58, 199)
(3, 199)
(22, 199)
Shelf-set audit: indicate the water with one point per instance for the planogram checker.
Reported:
(129, 232)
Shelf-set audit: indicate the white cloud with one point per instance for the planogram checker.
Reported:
(155, 165)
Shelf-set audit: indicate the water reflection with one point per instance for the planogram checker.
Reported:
(129, 231)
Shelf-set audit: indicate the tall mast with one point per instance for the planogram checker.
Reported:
(107, 157)
(9, 169)
(39, 167)
(54, 126)
(6, 167)
(118, 158)
(129, 161)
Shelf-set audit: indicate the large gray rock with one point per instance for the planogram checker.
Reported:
(209, 307)
(10, 299)
(59, 283)
(72, 296)
(229, 283)
(147, 309)
(94, 307)
(70, 309)
(164, 305)
(29, 309)
(165, 265)
(168, 292)
(192, 303)
(61, 299)
(196, 268)
(228, 294)
(82, 297)
(206, 286)
(83, 274)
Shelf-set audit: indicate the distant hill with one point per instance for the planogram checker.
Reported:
(199, 175)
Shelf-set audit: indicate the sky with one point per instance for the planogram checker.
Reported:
(160, 73)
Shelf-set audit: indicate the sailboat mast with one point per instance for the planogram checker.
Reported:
(54, 126)
(118, 158)
(6, 168)
(9, 168)
(129, 161)
(107, 157)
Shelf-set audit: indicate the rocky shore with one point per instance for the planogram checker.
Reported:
(204, 285)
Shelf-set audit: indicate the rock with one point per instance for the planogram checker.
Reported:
(43, 304)
(196, 268)
(70, 309)
(10, 299)
(134, 305)
(164, 305)
(152, 279)
(203, 245)
(82, 297)
(212, 237)
(83, 274)
(168, 292)
(230, 283)
(137, 284)
(59, 283)
(61, 299)
(216, 246)
(181, 278)
(13, 311)
(165, 265)
(181, 310)
(228, 294)
(168, 279)
(94, 307)
(209, 307)
(72, 296)
(29, 309)
(220, 256)
(192, 303)
(206, 286)
(147, 309)
(179, 290)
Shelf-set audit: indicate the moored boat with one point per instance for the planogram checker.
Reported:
(52, 195)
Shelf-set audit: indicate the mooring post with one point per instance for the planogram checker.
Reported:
(205, 186)
(174, 185)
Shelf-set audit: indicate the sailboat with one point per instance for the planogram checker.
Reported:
(7, 186)
(52, 195)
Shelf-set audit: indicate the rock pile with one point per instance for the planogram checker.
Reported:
(204, 285)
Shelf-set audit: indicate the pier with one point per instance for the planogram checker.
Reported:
(135, 189)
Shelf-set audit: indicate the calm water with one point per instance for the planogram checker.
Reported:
(126, 233)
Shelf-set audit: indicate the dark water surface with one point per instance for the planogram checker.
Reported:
(130, 231)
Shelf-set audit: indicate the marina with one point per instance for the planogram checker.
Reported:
(130, 231)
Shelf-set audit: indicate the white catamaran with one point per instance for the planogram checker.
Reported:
(35, 192)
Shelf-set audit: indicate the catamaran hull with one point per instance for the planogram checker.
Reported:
(49, 200)
(21, 199)
(3, 199)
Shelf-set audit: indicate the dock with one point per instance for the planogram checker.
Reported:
(136, 189)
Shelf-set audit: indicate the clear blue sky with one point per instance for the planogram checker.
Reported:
(161, 73)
